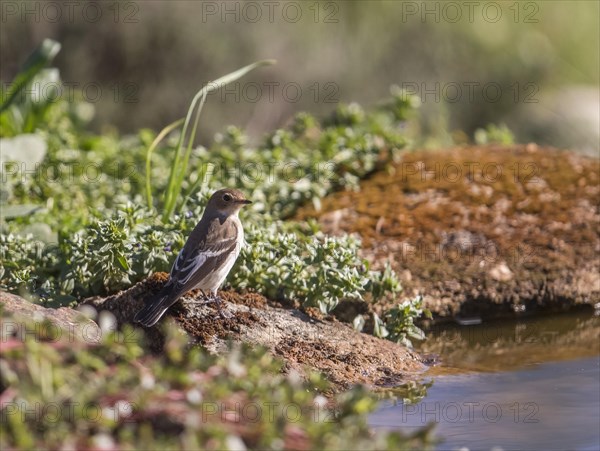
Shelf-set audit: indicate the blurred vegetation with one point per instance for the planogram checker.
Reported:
(148, 58)
(60, 392)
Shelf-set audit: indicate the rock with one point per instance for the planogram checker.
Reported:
(485, 231)
(345, 356)
(48, 324)
(501, 272)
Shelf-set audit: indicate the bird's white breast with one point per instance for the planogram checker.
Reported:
(216, 278)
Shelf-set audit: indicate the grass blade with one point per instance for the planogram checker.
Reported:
(202, 182)
(179, 168)
(164, 132)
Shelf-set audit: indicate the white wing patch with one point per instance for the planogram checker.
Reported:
(192, 265)
(207, 264)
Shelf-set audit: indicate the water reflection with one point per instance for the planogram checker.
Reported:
(502, 345)
(554, 406)
(530, 384)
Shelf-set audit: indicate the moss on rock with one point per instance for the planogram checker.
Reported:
(483, 230)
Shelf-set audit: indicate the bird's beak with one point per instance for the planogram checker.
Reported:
(245, 202)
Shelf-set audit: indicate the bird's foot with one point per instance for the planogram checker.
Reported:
(223, 312)
(201, 300)
(214, 298)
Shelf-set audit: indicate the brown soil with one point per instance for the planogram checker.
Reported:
(480, 231)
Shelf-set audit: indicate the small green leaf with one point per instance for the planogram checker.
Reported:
(123, 262)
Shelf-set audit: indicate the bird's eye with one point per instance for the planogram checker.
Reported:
(226, 197)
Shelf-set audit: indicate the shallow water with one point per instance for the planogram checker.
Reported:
(529, 384)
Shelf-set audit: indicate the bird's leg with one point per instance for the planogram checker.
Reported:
(213, 297)
(217, 299)
(209, 298)
(205, 299)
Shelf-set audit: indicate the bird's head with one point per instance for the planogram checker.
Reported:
(227, 201)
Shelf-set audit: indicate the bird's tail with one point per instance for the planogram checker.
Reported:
(155, 308)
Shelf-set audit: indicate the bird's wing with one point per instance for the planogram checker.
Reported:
(197, 260)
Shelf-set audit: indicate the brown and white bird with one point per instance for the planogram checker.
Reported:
(206, 258)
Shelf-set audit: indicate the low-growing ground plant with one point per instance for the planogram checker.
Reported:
(316, 269)
(59, 392)
(399, 324)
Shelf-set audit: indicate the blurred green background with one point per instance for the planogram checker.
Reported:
(531, 65)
